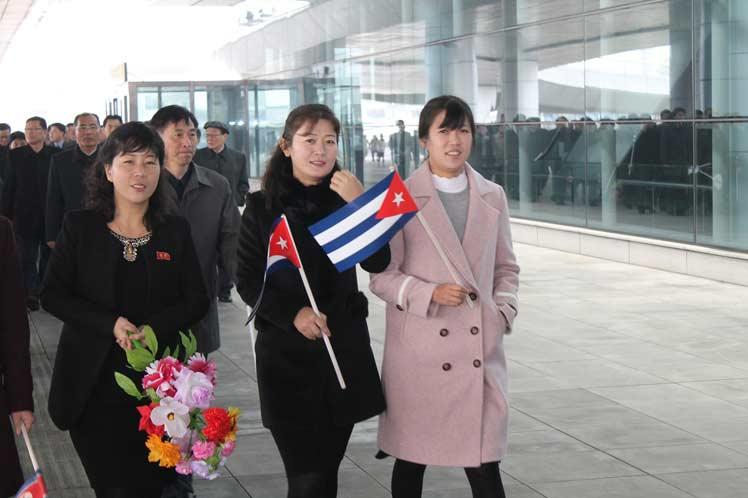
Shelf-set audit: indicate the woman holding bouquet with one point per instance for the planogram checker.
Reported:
(122, 263)
(444, 372)
(308, 414)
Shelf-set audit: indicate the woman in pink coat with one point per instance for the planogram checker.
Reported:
(444, 372)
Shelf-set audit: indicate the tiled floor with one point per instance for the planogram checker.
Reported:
(626, 382)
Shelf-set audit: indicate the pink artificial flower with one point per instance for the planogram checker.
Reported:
(184, 467)
(198, 363)
(194, 389)
(228, 448)
(202, 450)
(160, 376)
(202, 469)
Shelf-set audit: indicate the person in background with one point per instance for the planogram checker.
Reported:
(16, 139)
(444, 371)
(56, 136)
(111, 123)
(70, 132)
(124, 262)
(15, 362)
(232, 165)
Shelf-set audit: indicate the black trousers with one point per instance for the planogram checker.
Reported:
(224, 283)
(485, 481)
(33, 253)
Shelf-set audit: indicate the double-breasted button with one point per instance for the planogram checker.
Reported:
(473, 296)
(446, 367)
(476, 363)
(474, 330)
(399, 307)
(444, 332)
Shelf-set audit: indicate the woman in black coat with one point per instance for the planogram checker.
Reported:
(309, 415)
(123, 263)
(15, 362)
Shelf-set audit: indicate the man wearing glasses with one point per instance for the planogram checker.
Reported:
(24, 200)
(67, 171)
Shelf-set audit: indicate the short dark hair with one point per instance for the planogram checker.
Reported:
(60, 127)
(112, 117)
(457, 114)
(279, 171)
(73, 124)
(16, 135)
(171, 114)
(85, 115)
(4, 127)
(130, 137)
(42, 122)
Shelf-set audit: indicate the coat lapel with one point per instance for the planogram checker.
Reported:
(480, 216)
(422, 189)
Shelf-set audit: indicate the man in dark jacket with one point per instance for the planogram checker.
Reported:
(15, 362)
(204, 199)
(232, 164)
(24, 200)
(67, 172)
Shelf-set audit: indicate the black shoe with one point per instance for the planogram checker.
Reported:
(225, 299)
(32, 303)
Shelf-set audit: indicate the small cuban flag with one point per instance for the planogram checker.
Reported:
(33, 488)
(361, 227)
(282, 253)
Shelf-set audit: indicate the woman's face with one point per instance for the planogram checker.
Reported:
(313, 151)
(448, 149)
(134, 176)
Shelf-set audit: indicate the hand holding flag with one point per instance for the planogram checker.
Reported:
(35, 487)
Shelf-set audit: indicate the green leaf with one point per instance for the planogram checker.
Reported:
(151, 393)
(139, 358)
(137, 344)
(150, 339)
(167, 352)
(176, 353)
(127, 385)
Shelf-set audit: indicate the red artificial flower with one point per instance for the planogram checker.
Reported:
(160, 376)
(145, 421)
(218, 424)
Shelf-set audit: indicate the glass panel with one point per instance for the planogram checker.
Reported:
(175, 96)
(147, 103)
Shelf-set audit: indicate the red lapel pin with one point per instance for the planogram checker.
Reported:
(163, 256)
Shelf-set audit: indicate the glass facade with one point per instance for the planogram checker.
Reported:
(619, 115)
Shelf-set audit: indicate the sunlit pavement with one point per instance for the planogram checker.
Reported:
(625, 382)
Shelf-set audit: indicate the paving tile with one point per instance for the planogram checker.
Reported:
(531, 468)
(594, 373)
(619, 487)
(714, 484)
(609, 433)
(683, 458)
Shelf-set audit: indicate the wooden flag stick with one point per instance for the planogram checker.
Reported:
(443, 256)
(26, 440)
(313, 302)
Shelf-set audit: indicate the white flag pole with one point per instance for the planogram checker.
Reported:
(313, 302)
(443, 256)
(26, 440)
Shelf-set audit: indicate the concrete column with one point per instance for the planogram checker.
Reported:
(681, 57)
(525, 171)
(607, 144)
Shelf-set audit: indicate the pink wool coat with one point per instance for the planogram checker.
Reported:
(444, 373)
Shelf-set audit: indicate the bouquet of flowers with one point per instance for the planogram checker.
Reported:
(184, 431)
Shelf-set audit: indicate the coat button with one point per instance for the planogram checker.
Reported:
(446, 367)
(473, 296)
(474, 330)
(444, 332)
(476, 363)
(399, 307)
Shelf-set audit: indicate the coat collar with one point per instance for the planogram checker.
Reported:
(464, 255)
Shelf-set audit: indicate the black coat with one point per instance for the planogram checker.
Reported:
(296, 380)
(230, 163)
(79, 289)
(15, 362)
(65, 190)
(25, 189)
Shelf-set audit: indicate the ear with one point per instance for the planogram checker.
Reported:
(108, 172)
(422, 141)
(283, 144)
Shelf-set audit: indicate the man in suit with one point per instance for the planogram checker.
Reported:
(4, 149)
(401, 149)
(232, 164)
(56, 135)
(24, 200)
(67, 171)
(111, 123)
(205, 199)
(15, 362)
(4, 134)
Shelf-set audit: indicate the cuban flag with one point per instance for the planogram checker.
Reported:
(358, 229)
(33, 488)
(282, 253)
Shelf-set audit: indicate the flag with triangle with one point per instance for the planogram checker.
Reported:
(361, 227)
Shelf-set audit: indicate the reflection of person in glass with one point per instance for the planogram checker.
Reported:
(123, 263)
(308, 414)
(444, 371)
(401, 149)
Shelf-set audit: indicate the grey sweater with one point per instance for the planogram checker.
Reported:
(456, 205)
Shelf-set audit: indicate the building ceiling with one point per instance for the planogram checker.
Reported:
(194, 3)
(12, 14)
